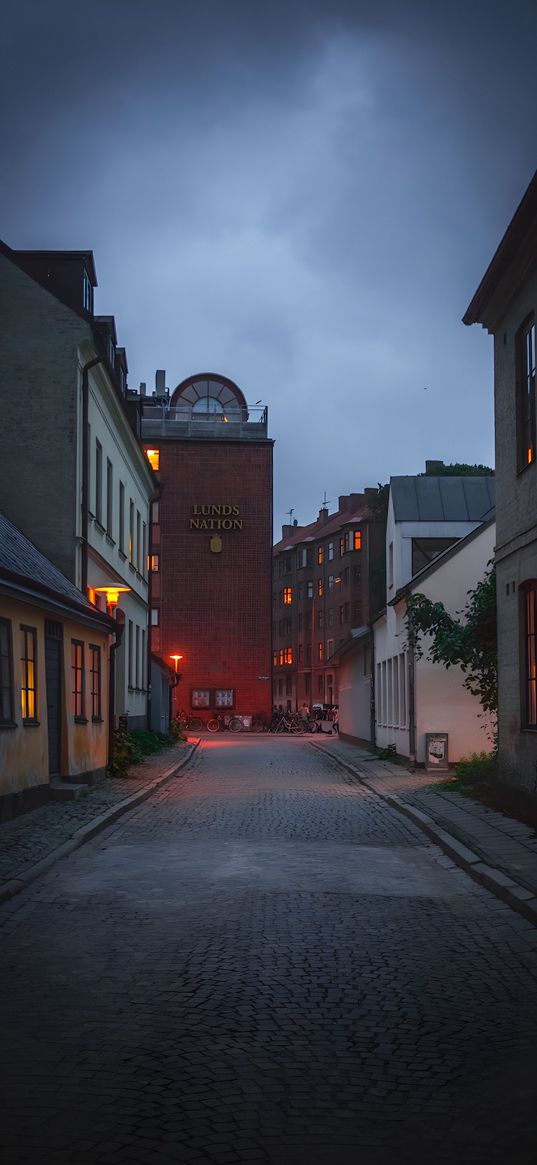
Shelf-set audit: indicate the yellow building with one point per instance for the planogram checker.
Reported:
(54, 677)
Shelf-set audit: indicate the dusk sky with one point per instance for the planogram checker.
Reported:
(302, 196)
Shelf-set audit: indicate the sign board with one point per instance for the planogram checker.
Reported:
(436, 752)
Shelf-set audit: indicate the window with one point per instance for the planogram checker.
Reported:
(301, 557)
(329, 648)
(300, 653)
(320, 587)
(424, 550)
(347, 576)
(330, 616)
(6, 673)
(154, 616)
(144, 661)
(131, 654)
(77, 678)
(274, 658)
(530, 630)
(99, 482)
(155, 513)
(286, 655)
(224, 697)
(131, 532)
(357, 540)
(87, 292)
(309, 589)
(153, 456)
(144, 548)
(308, 653)
(95, 681)
(320, 620)
(137, 658)
(28, 673)
(390, 565)
(154, 563)
(300, 590)
(109, 497)
(342, 614)
(330, 582)
(356, 573)
(138, 540)
(320, 650)
(525, 393)
(343, 544)
(320, 685)
(330, 551)
(287, 596)
(121, 518)
(319, 556)
(200, 698)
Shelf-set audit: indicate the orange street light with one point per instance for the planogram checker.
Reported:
(112, 594)
(176, 659)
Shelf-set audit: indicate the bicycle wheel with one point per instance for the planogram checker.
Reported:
(235, 724)
(196, 723)
(212, 725)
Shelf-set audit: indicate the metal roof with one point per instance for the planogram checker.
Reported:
(442, 498)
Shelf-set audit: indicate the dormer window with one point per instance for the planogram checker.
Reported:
(87, 292)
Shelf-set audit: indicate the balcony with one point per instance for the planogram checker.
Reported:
(162, 420)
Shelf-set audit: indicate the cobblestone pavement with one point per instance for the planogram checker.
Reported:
(28, 839)
(265, 963)
(503, 842)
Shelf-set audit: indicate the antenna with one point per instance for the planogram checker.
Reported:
(290, 512)
(326, 501)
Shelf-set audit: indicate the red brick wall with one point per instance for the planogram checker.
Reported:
(215, 609)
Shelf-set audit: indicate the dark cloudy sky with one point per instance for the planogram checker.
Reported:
(302, 195)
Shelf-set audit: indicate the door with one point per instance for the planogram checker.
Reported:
(53, 674)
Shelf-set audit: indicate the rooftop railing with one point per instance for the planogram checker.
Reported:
(160, 419)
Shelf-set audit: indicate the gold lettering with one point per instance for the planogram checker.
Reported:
(226, 523)
(237, 523)
(203, 524)
(194, 523)
(195, 509)
(226, 510)
(235, 510)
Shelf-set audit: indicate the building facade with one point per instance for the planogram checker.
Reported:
(505, 303)
(211, 543)
(73, 476)
(54, 668)
(327, 578)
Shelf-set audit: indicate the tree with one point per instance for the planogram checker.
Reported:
(458, 469)
(469, 641)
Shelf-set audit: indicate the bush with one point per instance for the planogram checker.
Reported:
(131, 747)
(476, 769)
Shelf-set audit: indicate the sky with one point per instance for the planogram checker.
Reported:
(301, 195)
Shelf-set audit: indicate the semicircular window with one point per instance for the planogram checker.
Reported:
(207, 404)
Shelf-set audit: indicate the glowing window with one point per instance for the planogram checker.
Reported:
(154, 563)
(320, 587)
(357, 542)
(288, 655)
(275, 659)
(153, 456)
(320, 650)
(28, 673)
(287, 595)
(319, 556)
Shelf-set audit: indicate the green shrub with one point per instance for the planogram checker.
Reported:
(131, 747)
(473, 770)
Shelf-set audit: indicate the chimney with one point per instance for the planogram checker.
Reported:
(160, 382)
(342, 503)
(143, 388)
(323, 515)
(287, 530)
(433, 467)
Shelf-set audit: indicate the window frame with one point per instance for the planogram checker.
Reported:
(98, 482)
(95, 683)
(25, 686)
(78, 670)
(7, 721)
(529, 655)
(525, 389)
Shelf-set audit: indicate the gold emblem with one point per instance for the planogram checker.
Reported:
(216, 544)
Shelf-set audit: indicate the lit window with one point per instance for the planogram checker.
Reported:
(154, 563)
(95, 681)
(288, 655)
(357, 541)
(320, 587)
(153, 456)
(77, 677)
(319, 556)
(281, 657)
(287, 596)
(28, 673)
(6, 673)
(275, 659)
(320, 650)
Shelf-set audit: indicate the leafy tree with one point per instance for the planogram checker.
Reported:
(469, 642)
(458, 469)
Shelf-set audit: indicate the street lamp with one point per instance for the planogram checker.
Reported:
(176, 658)
(112, 595)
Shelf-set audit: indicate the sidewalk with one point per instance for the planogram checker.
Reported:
(495, 850)
(29, 844)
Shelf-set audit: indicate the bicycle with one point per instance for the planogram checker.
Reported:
(186, 722)
(220, 723)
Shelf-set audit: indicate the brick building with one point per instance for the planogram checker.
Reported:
(212, 535)
(327, 578)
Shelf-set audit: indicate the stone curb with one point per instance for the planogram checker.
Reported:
(87, 832)
(518, 897)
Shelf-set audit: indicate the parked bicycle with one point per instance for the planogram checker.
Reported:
(220, 723)
(188, 723)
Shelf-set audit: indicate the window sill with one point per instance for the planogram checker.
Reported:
(99, 526)
(122, 555)
(80, 720)
(111, 541)
(7, 724)
(132, 567)
(525, 468)
(31, 723)
(97, 720)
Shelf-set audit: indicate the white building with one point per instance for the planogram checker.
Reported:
(439, 539)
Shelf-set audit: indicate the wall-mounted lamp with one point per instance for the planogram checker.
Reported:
(112, 594)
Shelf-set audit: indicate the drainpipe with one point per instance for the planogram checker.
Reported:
(373, 705)
(120, 627)
(85, 471)
(154, 497)
(411, 701)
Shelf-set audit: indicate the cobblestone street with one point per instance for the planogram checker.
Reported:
(264, 962)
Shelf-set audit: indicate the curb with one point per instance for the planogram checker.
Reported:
(87, 832)
(518, 897)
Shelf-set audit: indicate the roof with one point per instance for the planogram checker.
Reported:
(517, 251)
(440, 560)
(320, 529)
(356, 637)
(442, 498)
(21, 560)
(87, 256)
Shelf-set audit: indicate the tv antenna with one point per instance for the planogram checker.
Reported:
(326, 501)
(290, 513)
